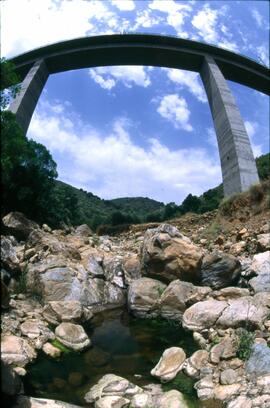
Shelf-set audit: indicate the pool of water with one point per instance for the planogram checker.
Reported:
(122, 345)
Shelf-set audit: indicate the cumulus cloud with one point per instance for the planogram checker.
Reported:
(111, 164)
(189, 80)
(176, 13)
(175, 110)
(124, 5)
(205, 21)
(108, 77)
(45, 22)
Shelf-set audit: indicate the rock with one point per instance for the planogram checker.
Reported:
(112, 385)
(169, 364)
(194, 363)
(238, 247)
(5, 297)
(143, 400)
(174, 399)
(168, 255)
(72, 336)
(93, 266)
(16, 351)
(233, 313)
(226, 392)
(46, 228)
(203, 314)
(8, 255)
(240, 402)
(259, 361)
(18, 225)
(261, 266)
(112, 402)
(143, 296)
(245, 310)
(224, 350)
(220, 270)
(34, 328)
(205, 388)
(75, 378)
(50, 350)
(132, 268)
(113, 270)
(230, 293)
(178, 296)
(97, 357)
(30, 402)
(83, 230)
(56, 312)
(263, 242)
(11, 383)
(228, 377)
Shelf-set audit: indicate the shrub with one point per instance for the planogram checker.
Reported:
(245, 342)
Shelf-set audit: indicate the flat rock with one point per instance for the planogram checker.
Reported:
(72, 336)
(51, 351)
(203, 314)
(112, 385)
(169, 364)
(18, 225)
(63, 311)
(174, 399)
(30, 402)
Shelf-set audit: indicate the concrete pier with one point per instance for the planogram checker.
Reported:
(238, 166)
(24, 104)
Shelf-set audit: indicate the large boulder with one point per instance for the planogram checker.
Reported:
(203, 315)
(170, 364)
(16, 351)
(259, 361)
(72, 336)
(220, 270)
(83, 231)
(232, 313)
(15, 223)
(173, 399)
(178, 296)
(144, 295)
(168, 255)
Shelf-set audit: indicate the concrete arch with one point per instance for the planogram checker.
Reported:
(215, 65)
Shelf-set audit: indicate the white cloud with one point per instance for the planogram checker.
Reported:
(205, 21)
(146, 19)
(124, 5)
(107, 77)
(252, 129)
(263, 53)
(176, 12)
(175, 110)
(111, 165)
(257, 17)
(229, 45)
(27, 24)
(187, 79)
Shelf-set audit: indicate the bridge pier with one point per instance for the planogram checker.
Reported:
(24, 104)
(238, 166)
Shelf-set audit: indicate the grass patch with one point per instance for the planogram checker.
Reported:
(212, 231)
(56, 343)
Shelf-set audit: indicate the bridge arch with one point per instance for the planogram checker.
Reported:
(214, 64)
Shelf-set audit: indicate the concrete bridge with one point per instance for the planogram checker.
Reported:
(214, 64)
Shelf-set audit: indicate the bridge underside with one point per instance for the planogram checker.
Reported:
(215, 65)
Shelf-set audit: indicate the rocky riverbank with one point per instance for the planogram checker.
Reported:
(216, 286)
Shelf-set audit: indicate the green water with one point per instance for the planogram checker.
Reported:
(122, 345)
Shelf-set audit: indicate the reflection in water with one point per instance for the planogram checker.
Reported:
(121, 345)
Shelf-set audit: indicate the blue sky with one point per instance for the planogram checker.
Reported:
(138, 131)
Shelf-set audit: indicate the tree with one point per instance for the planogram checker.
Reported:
(27, 167)
(191, 203)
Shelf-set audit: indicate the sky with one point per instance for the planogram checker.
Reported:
(129, 131)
